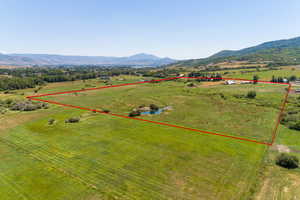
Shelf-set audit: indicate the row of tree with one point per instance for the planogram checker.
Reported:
(202, 76)
(283, 79)
(31, 77)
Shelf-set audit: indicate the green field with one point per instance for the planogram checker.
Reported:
(265, 75)
(215, 108)
(107, 157)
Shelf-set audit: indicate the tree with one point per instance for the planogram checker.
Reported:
(255, 79)
(287, 161)
(293, 78)
(251, 94)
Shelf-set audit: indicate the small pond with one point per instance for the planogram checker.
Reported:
(153, 113)
(159, 111)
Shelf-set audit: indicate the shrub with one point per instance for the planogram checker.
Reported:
(154, 107)
(8, 101)
(287, 161)
(51, 121)
(3, 111)
(73, 120)
(134, 113)
(222, 96)
(24, 106)
(255, 79)
(251, 94)
(45, 105)
(295, 125)
(30, 107)
(190, 84)
(106, 110)
(238, 96)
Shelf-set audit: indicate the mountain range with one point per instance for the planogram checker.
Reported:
(51, 59)
(280, 51)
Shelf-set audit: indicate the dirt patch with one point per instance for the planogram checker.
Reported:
(282, 148)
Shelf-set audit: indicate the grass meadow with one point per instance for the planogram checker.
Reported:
(218, 108)
(107, 157)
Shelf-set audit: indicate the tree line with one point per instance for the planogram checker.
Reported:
(13, 79)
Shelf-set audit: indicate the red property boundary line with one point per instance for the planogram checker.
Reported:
(274, 132)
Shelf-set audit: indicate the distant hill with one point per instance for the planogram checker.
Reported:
(280, 51)
(50, 59)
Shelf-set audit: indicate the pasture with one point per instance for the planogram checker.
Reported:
(106, 157)
(216, 108)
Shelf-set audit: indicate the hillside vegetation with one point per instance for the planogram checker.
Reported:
(280, 51)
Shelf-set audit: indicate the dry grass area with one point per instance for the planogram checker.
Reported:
(9, 121)
(278, 184)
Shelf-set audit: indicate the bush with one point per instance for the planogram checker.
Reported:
(8, 101)
(239, 96)
(255, 79)
(134, 113)
(26, 105)
(45, 105)
(106, 110)
(2, 111)
(251, 94)
(222, 96)
(190, 84)
(287, 161)
(73, 120)
(51, 121)
(154, 107)
(295, 125)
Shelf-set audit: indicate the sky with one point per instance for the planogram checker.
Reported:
(179, 29)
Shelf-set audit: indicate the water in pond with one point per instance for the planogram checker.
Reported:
(153, 113)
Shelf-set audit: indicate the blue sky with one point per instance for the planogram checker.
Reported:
(178, 29)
